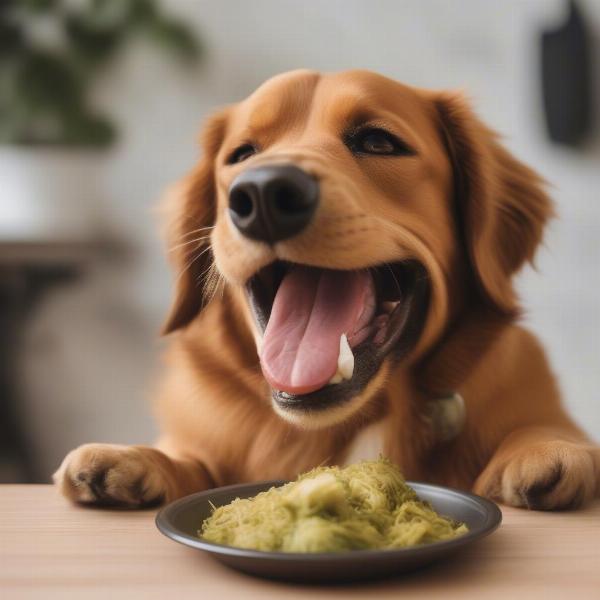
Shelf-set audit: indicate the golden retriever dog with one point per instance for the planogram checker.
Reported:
(344, 257)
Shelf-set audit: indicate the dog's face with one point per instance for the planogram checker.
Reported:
(361, 217)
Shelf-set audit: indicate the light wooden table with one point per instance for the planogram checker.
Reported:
(49, 549)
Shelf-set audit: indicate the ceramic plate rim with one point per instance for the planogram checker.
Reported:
(493, 519)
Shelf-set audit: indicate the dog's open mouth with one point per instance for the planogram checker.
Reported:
(326, 332)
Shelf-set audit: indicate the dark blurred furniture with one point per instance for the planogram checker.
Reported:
(28, 269)
(567, 82)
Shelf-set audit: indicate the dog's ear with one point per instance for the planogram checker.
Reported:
(501, 210)
(190, 205)
(500, 203)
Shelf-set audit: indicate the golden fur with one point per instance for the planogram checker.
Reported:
(464, 207)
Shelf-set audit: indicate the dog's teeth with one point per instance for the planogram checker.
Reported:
(388, 307)
(345, 366)
(346, 359)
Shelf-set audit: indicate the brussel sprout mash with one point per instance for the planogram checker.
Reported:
(364, 506)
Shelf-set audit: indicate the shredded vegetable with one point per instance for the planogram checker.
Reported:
(329, 509)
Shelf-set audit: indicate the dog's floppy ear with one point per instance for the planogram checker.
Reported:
(191, 205)
(500, 202)
(501, 209)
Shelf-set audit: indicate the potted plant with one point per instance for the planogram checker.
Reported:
(51, 135)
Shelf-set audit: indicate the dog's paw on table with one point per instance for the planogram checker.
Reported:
(552, 475)
(111, 475)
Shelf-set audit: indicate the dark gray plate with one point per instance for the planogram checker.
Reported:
(181, 520)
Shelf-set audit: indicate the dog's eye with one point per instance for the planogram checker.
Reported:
(241, 153)
(376, 141)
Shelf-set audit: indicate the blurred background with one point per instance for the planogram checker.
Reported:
(100, 105)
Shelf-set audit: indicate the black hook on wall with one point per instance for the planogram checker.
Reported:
(567, 79)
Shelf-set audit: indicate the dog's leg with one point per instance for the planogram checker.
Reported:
(127, 476)
(542, 468)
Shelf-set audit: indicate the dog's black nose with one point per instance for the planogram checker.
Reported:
(273, 203)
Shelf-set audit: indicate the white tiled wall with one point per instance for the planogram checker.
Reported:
(487, 48)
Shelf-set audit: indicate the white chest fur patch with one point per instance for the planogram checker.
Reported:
(366, 445)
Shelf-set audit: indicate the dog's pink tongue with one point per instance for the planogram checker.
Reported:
(312, 309)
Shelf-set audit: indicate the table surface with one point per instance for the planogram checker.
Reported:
(50, 549)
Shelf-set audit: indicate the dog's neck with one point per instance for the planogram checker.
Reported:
(445, 415)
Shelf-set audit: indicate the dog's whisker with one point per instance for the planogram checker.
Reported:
(206, 271)
(192, 261)
(324, 461)
(212, 282)
(210, 278)
(198, 230)
(197, 240)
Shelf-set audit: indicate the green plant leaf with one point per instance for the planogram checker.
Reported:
(38, 5)
(46, 79)
(89, 130)
(141, 11)
(7, 5)
(43, 93)
(91, 42)
(11, 39)
(176, 37)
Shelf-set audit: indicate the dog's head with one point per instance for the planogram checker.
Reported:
(365, 221)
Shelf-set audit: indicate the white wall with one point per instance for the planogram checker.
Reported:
(93, 377)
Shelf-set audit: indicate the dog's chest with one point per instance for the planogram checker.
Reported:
(366, 445)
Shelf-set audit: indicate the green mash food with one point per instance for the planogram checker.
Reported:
(364, 506)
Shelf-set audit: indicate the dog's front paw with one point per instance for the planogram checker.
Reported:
(111, 475)
(545, 476)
